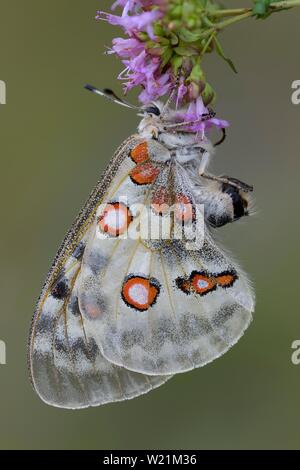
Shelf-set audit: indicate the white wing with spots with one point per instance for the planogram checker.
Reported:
(120, 314)
(163, 311)
(67, 366)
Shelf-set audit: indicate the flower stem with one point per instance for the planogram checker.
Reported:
(235, 19)
(239, 11)
(208, 43)
(284, 4)
(223, 24)
(239, 14)
(230, 12)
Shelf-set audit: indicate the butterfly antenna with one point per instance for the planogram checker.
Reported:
(219, 142)
(111, 96)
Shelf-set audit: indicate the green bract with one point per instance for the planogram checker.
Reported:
(183, 36)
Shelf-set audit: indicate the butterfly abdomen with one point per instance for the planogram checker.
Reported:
(223, 203)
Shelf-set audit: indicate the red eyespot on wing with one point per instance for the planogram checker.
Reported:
(139, 292)
(184, 210)
(160, 202)
(145, 173)
(226, 279)
(115, 219)
(140, 153)
(202, 283)
(184, 285)
(198, 282)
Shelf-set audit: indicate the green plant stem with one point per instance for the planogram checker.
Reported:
(239, 14)
(223, 24)
(230, 12)
(235, 19)
(208, 43)
(239, 11)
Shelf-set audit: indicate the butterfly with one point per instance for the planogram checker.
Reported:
(121, 312)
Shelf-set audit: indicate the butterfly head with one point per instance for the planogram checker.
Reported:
(152, 121)
(163, 123)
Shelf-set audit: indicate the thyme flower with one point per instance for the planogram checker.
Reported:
(166, 42)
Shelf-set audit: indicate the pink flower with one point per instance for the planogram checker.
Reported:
(194, 112)
(144, 70)
(141, 22)
(141, 67)
(136, 71)
(181, 92)
(155, 88)
(134, 5)
(127, 48)
(143, 63)
(128, 5)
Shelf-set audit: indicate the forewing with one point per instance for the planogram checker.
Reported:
(66, 363)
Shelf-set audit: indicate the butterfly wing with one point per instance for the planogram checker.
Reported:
(119, 314)
(67, 367)
(162, 308)
(169, 310)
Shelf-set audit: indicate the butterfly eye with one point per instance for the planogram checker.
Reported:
(153, 110)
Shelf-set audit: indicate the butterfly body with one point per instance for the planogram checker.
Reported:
(123, 307)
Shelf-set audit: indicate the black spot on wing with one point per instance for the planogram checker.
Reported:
(60, 290)
(77, 347)
(79, 250)
(88, 348)
(45, 324)
(60, 345)
(96, 262)
(74, 306)
(183, 284)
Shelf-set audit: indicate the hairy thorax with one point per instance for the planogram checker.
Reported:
(183, 146)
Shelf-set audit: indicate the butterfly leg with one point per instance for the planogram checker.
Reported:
(224, 179)
(236, 183)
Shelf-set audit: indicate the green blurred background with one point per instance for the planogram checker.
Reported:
(56, 138)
